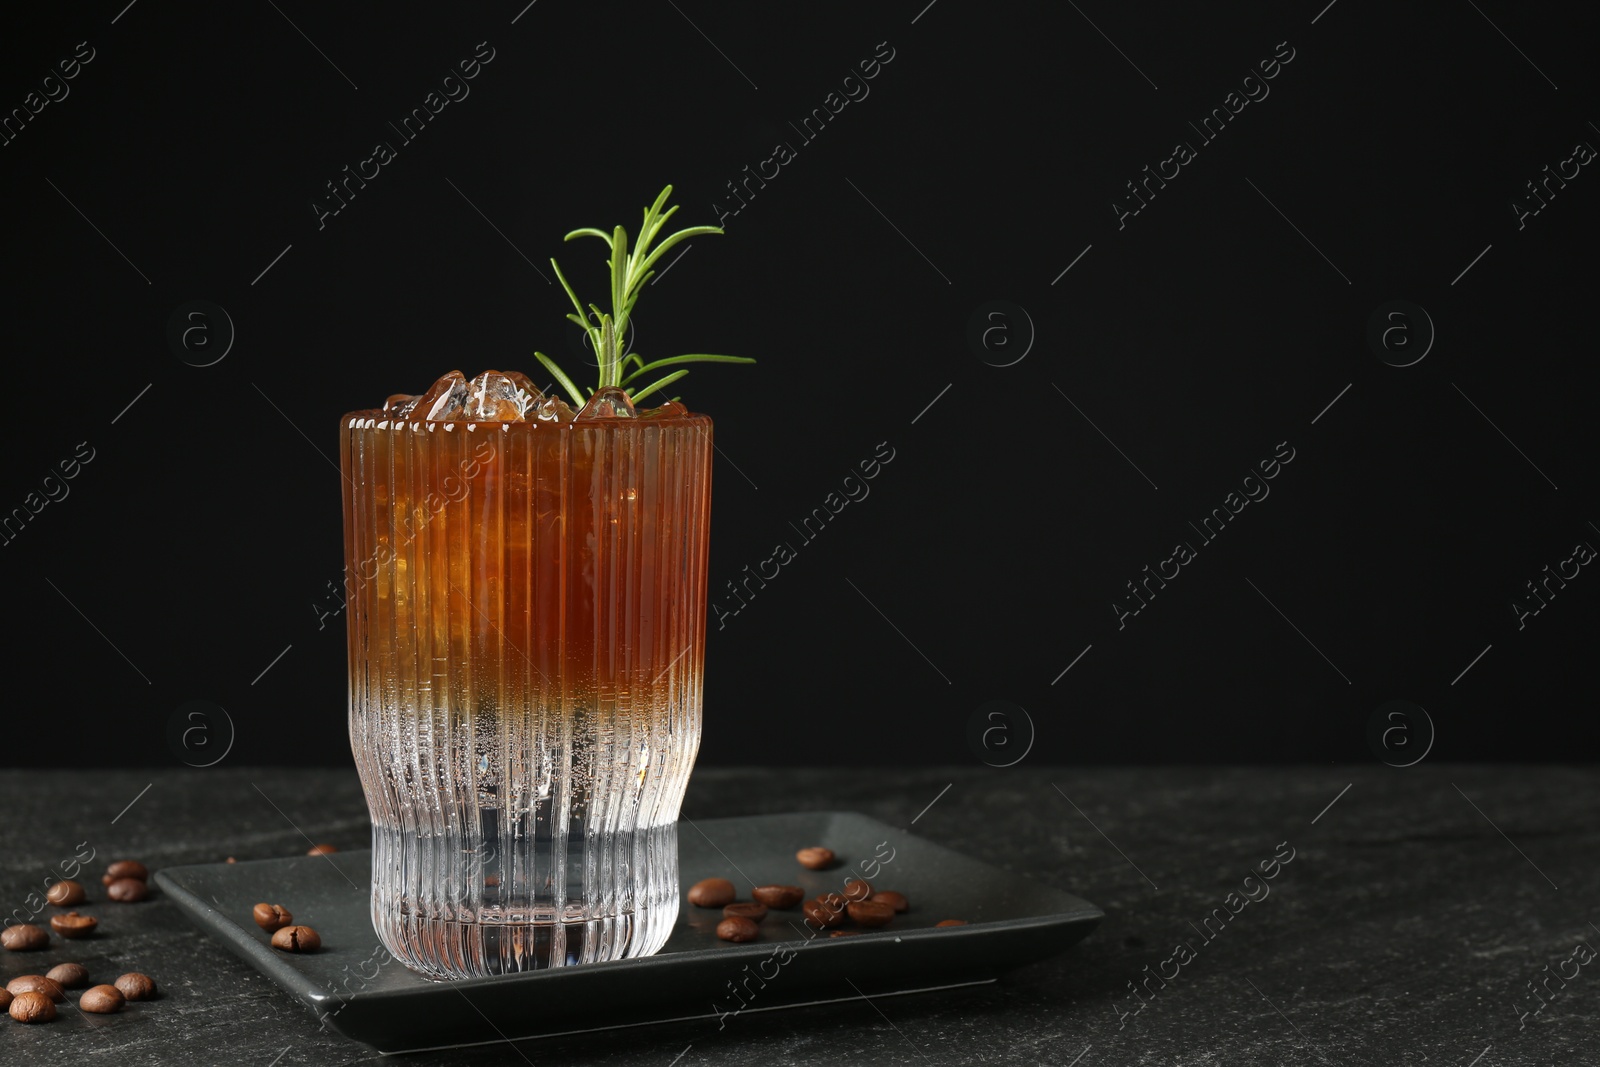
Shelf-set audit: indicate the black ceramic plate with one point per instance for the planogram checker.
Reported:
(365, 994)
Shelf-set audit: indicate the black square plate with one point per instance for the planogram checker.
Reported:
(365, 994)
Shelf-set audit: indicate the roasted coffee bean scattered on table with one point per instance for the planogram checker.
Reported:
(897, 901)
(128, 890)
(778, 897)
(68, 975)
(73, 925)
(125, 869)
(102, 999)
(136, 986)
(815, 858)
(36, 983)
(297, 939)
(32, 1008)
(65, 894)
(23, 937)
(711, 893)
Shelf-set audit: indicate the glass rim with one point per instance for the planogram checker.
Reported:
(373, 419)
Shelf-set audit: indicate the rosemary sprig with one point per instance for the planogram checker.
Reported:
(608, 330)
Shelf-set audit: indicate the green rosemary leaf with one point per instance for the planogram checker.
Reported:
(655, 227)
(695, 358)
(607, 352)
(638, 284)
(681, 235)
(560, 376)
(647, 234)
(619, 279)
(657, 384)
(655, 208)
(568, 287)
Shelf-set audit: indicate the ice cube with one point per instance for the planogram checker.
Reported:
(553, 409)
(446, 400)
(399, 405)
(496, 397)
(608, 403)
(672, 409)
(520, 380)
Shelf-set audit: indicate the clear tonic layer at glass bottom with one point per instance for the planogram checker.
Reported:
(501, 938)
(523, 849)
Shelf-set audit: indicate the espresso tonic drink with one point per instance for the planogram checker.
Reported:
(526, 613)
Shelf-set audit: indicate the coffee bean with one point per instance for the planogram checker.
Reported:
(23, 937)
(5, 1000)
(32, 1008)
(127, 890)
(825, 911)
(897, 901)
(102, 999)
(870, 912)
(230, 859)
(73, 925)
(779, 897)
(815, 858)
(856, 889)
(125, 869)
(951, 922)
(296, 939)
(711, 893)
(136, 986)
(65, 894)
(271, 917)
(737, 929)
(68, 975)
(321, 850)
(754, 911)
(36, 983)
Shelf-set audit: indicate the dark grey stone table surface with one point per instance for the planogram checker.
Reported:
(1438, 914)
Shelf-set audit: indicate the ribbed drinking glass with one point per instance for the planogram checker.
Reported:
(526, 619)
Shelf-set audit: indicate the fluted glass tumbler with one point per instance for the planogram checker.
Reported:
(526, 620)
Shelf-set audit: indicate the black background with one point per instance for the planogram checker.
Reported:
(196, 545)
